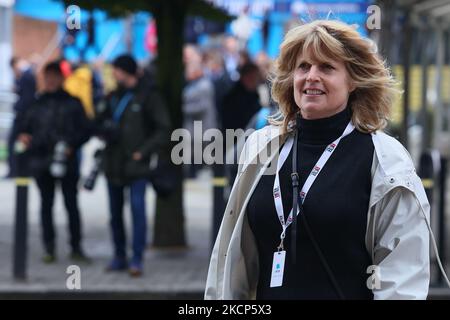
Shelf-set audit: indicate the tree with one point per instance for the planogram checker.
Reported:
(170, 16)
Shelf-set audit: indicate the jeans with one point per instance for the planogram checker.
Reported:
(139, 221)
(46, 184)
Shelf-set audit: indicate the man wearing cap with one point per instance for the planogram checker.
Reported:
(134, 123)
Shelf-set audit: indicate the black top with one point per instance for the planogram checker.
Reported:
(239, 106)
(26, 90)
(336, 208)
(55, 116)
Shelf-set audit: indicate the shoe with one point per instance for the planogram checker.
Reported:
(117, 264)
(48, 258)
(135, 269)
(80, 257)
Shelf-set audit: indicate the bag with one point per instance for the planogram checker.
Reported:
(164, 178)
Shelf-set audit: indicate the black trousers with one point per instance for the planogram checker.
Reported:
(47, 184)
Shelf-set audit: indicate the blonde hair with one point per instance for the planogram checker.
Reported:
(374, 92)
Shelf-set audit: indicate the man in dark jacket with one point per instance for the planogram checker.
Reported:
(52, 131)
(135, 124)
(242, 101)
(25, 88)
(240, 105)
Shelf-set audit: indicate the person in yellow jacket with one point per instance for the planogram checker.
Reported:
(79, 84)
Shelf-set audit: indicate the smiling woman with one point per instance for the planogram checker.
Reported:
(330, 55)
(321, 89)
(363, 217)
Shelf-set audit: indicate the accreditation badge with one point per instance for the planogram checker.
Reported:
(277, 269)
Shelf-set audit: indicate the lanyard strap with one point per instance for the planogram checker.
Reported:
(309, 181)
(121, 106)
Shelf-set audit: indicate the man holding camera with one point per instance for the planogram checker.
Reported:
(134, 123)
(51, 133)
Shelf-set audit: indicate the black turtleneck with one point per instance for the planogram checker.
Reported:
(336, 208)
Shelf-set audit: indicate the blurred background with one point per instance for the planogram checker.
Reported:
(226, 45)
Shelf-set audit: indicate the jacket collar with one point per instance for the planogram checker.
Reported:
(391, 155)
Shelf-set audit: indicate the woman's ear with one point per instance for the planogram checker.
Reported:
(352, 87)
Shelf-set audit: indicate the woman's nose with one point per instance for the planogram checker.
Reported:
(313, 74)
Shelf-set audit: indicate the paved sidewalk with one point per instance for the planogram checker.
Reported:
(167, 274)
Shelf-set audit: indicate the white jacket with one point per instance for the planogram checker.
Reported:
(397, 236)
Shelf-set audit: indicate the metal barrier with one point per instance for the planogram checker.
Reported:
(20, 247)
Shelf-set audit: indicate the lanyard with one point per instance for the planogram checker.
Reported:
(121, 106)
(309, 181)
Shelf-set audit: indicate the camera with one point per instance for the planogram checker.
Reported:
(89, 183)
(58, 167)
(19, 147)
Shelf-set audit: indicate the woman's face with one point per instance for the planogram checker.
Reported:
(321, 89)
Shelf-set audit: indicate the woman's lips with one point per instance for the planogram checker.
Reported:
(313, 92)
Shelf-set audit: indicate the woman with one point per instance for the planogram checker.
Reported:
(363, 214)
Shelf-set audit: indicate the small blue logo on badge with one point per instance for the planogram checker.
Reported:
(278, 266)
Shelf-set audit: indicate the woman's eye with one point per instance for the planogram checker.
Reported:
(327, 66)
(304, 66)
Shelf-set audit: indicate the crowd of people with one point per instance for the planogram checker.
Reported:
(56, 116)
